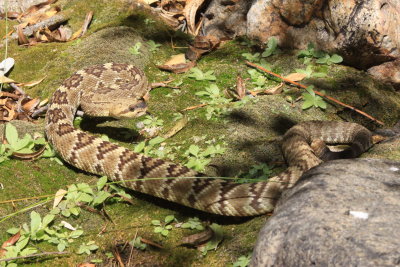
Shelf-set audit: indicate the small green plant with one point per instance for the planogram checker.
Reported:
(309, 72)
(148, 21)
(135, 49)
(82, 193)
(163, 227)
(153, 46)
(138, 244)
(193, 223)
(311, 99)
(252, 57)
(25, 145)
(217, 104)
(150, 147)
(152, 121)
(257, 173)
(199, 75)
(321, 56)
(215, 240)
(198, 159)
(272, 48)
(243, 261)
(87, 248)
(328, 60)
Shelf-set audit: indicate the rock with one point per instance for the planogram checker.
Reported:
(341, 213)
(18, 5)
(364, 33)
(388, 72)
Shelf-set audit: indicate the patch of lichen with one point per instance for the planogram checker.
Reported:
(251, 132)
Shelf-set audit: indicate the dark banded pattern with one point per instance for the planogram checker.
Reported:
(108, 89)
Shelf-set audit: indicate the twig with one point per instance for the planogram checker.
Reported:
(316, 92)
(36, 255)
(39, 111)
(17, 88)
(194, 107)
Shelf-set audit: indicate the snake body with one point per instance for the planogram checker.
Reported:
(93, 87)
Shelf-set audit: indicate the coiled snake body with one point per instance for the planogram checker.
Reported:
(117, 90)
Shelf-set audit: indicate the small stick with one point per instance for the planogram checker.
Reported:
(39, 111)
(194, 107)
(17, 88)
(316, 92)
(36, 255)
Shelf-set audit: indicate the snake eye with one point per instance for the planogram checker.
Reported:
(140, 105)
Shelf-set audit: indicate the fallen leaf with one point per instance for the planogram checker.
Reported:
(178, 68)
(29, 104)
(274, 90)
(4, 79)
(10, 242)
(176, 59)
(271, 91)
(240, 87)
(31, 83)
(189, 12)
(177, 127)
(21, 36)
(7, 114)
(149, 2)
(84, 27)
(378, 138)
(44, 102)
(87, 264)
(59, 196)
(196, 240)
(29, 156)
(68, 226)
(295, 77)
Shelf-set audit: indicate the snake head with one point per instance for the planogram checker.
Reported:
(120, 110)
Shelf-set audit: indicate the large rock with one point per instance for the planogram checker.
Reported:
(365, 33)
(341, 213)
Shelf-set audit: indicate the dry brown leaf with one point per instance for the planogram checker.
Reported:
(149, 2)
(87, 264)
(44, 102)
(22, 39)
(177, 127)
(84, 27)
(4, 79)
(296, 76)
(29, 104)
(189, 12)
(31, 83)
(178, 68)
(196, 240)
(240, 87)
(378, 138)
(10, 242)
(29, 156)
(176, 59)
(275, 90)
(7, 114)
(59, 196)
(271, 91)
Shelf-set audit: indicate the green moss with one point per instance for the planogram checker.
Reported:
(251, 133)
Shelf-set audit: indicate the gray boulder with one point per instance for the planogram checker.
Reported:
(341, 213)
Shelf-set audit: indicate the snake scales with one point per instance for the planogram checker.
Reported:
(126, 86)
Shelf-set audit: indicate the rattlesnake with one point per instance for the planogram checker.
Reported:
(118, 90)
